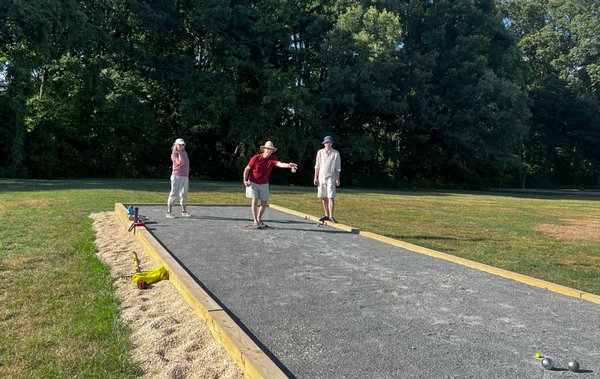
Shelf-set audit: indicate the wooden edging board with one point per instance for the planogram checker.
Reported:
(253, 362)
(462, 261)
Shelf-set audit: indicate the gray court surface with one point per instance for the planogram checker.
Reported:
(325, 303)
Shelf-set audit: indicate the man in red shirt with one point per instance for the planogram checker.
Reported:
(256, 180)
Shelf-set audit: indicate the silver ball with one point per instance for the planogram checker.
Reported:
(548, 363)
(573, 366)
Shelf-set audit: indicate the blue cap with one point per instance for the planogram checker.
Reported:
(328, 139)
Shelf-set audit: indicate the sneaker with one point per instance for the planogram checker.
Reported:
(262, 225)
(324, 218)
(332, 219)
(186, 214)
(170, 215)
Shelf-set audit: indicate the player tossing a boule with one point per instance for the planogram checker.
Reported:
(256, 180)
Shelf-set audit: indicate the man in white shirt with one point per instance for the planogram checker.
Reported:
(327, 177)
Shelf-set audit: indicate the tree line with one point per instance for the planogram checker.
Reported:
(465, 93)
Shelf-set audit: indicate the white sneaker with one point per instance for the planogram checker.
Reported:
(186, 214)
(170, 215)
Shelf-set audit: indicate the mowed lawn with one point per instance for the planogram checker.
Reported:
(59, 315)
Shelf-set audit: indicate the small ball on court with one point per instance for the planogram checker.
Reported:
(548, 363)
(538, 355)
(573, 366)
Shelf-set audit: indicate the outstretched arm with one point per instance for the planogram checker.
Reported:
(286, 165)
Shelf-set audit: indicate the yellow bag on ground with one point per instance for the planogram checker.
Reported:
(152, 276)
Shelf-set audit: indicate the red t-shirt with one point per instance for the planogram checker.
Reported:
(261, 168)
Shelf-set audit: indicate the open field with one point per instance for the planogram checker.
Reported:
(60, 318)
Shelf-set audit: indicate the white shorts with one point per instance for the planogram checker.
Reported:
(258, 191)
(326, 188)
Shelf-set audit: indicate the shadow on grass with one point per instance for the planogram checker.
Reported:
(422, 240)
(155, 185)
(32, 185)
(542, 194)
(439, 238)
(162, 185)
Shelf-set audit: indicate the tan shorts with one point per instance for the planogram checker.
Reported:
(258, 191)
(326, 188)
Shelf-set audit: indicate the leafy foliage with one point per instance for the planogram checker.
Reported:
(471, 93)
(560, 41)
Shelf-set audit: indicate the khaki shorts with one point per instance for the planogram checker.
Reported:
(258, 191)
(326, 188)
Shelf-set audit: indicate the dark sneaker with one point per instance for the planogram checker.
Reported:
(324, 218)
(262, 225)
(332, 219)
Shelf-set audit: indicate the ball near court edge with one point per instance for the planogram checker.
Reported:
(548, 363)
(538, 355)
(573, 366)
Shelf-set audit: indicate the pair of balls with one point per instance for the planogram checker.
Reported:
(548, 364)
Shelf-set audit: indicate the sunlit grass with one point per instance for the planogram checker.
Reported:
(59, 316)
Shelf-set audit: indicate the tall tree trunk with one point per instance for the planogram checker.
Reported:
(18, 145)
(42, 81)
(18, 103)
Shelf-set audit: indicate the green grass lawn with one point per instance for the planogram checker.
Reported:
(59, 315)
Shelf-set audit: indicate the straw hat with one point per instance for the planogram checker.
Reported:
(268, 145)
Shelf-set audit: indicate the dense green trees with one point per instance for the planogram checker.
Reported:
(476, 109)
(560, 43)
(454, 92)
